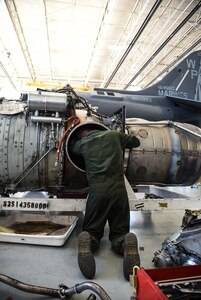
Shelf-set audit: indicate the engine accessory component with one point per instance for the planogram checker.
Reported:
(47, 102)
(62, 292)
(46, 119)
(182, 248)
(190, 215)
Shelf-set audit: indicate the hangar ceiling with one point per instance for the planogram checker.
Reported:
(121, 44)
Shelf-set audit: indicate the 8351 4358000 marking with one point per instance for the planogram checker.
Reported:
(16, 204)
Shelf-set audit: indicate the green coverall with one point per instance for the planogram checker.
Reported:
(107, 200)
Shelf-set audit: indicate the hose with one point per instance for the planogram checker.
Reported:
(75, 122)
(28, 287)
(62, 292)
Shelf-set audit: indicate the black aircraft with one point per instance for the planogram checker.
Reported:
(177, 97)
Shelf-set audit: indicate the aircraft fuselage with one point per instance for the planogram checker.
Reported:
(152, 108)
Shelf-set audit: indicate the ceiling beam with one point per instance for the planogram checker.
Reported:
(136, 37)
(194, 10)
(192, 47)
(2, 66)
(48, 40)
(12, 10)
(106, 11)
(6, 65)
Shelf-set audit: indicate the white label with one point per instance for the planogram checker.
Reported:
(22, 204)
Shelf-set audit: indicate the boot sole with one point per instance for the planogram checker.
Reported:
(86, 260)
(131, 256)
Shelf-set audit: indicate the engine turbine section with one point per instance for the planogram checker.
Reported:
(169, 153)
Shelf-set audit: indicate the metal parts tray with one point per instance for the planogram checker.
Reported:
(37, 229)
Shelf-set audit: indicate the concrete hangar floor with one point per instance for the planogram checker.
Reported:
(49, 266)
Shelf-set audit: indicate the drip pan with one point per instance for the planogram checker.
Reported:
(37, 229)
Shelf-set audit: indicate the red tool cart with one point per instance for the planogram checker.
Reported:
(145, 280)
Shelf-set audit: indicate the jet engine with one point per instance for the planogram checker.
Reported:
(37, 130)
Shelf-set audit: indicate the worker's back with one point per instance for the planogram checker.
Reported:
(103, 156)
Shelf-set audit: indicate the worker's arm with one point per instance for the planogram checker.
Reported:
(129, 141)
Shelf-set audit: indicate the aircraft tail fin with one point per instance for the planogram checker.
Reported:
(184, 81)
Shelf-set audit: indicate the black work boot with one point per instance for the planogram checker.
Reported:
(86, 260)
(131, 256)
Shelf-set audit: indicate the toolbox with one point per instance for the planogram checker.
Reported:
(146, 280)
